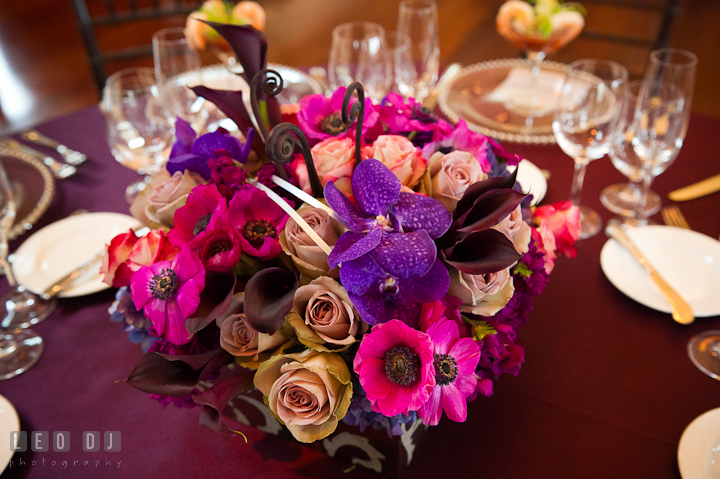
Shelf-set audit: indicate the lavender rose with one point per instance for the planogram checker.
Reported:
(483, 294)
(449, 175)
(157, 204)
(310, 392)
(323, 317)
(307, 256)
(516, 230)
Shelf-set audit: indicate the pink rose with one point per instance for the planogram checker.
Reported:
(334, 160)
(157, 204)
(546, 244)
(307, 256)
(400, 156)
(516, 230)
(483, 294)
(451, 174)
(563, 219)
(127, 253)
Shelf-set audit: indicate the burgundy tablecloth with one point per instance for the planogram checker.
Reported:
(606, 389)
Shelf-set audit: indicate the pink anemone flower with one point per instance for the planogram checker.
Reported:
(259, 221)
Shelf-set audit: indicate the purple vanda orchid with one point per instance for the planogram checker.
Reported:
(396, 229)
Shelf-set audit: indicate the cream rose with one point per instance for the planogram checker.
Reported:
(516, 230)
(451, 174)
(323, 317)
(157, 204)
(310, 392)
(483, 294)
(334, 161)
(400, 156)
(307, 256)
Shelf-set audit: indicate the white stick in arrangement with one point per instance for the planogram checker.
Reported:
(311, 200)
(294, 215)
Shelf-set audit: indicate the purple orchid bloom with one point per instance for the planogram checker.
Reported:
(379, 296)
(189, 153)
(321, 118)
(463, 139)
(395, 229)
(400, 117)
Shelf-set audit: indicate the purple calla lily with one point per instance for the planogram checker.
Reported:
(395, 229)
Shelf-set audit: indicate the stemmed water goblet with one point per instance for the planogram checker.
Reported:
(586, 121)
(418, 19)
(139, 134)
(19, 348)
(359, 53)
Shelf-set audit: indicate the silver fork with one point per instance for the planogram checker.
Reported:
(59, 170)
(71, 157)
(672, 216)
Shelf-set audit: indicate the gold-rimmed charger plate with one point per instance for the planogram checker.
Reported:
(37, 184)
(486, 95)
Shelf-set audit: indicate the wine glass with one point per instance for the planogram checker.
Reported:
(19, 348)
(662, 113)
(418, 19)
(704, 352)
(400, 57)
(537, 33)
(586, 121)
(624, 199)
(359, 53)
(178, 67)
(139, 133)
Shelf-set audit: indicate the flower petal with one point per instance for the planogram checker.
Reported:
(413, 212)
(405, 254)
(431, 411)
(351, 245)
(454, 404)
(483, 252)
(375, 307)
(184, 138)
(429, 287)
(344, 207)
(359, 274)
(467, 354)
(374, 187)
(191, 162)
(139, 285)
(176, 332)
(444, 334)
(373, 378)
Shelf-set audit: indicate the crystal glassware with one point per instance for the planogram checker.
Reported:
(586, 121)
(139, 134)
(418, 19)
(400, 55)
(19, 348)
(178, 67)
(358, 53)
(662, 114)
(624, 199)
(704, 352)
(537, 31)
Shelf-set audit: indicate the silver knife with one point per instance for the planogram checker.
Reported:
(72, 157)
(696, 190)
(681, 311)
(59, 170)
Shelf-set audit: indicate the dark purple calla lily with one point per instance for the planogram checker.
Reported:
(394, 228)
(269, 297)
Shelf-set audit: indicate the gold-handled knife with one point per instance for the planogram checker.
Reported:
(681, 311)
(696, 190)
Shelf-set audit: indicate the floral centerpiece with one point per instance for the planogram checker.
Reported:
(375, 278)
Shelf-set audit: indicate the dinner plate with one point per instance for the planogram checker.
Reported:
(487, 96)
(9, 421)
(699, 448)
(61, 247)
(531, 180)
(689, 261)
(33, 183)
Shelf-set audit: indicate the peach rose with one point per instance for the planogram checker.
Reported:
(310, 392)
(157, 204)
(400, 156)
(249, 346)
(483, 294)
(127, 253)
(563, 219)
(334, 160)
(251, 13)
(516, 230)
(451, 174)
(323, 317)
(197, 32)
(307, 256)
(545, 241)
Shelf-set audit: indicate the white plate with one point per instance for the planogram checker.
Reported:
(9, 421)
(531, 180)
(60, 247)
(699, 449)
(689, 261)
